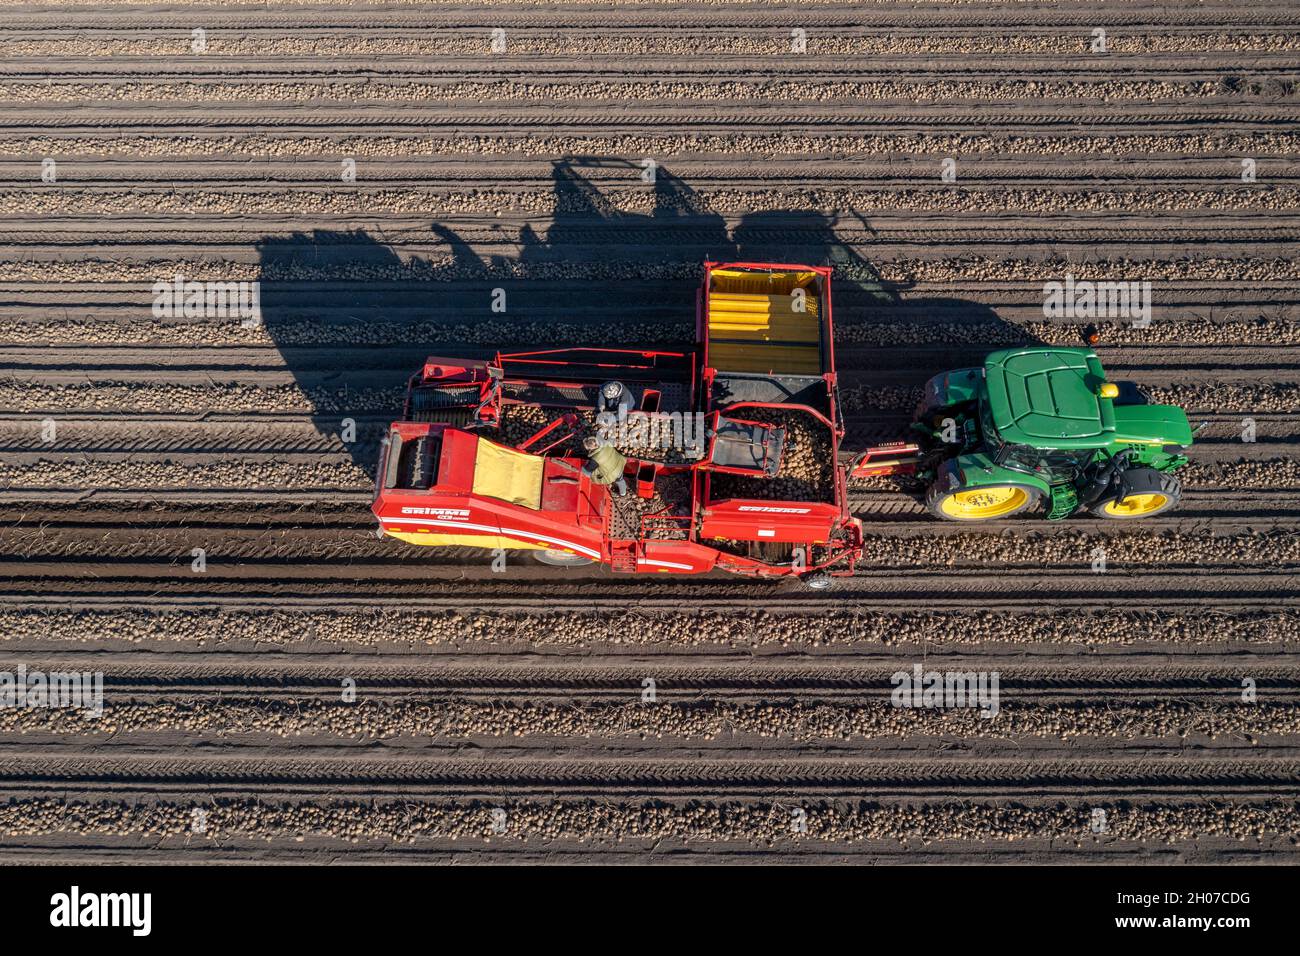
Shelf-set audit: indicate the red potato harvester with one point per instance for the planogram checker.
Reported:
(731, 452)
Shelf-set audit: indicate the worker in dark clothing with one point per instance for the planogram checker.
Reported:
(615, 398)
(605, 464)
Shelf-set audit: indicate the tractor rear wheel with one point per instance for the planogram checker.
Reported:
(1144, 492)
(982, 503)
(557, 558)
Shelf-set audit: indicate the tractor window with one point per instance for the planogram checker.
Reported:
(1022, 458)
(1066, 465)
(1045, 462)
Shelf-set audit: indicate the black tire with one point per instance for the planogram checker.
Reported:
(1144, 493)
(936, 500)
(817, 580)
(553, 557)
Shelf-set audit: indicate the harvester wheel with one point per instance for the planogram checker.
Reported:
(983, 503)
(557, 558)
(1146, 492)
(817, 580)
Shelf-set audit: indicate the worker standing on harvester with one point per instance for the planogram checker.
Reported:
(605, 464)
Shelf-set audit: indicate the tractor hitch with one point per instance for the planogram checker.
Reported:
(895, 458)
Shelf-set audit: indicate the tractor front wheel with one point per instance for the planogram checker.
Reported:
(1145, 492)
(983, 503)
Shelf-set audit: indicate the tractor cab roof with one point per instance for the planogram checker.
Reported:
(1048, 398)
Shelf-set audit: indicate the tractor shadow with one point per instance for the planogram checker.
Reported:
(616, 264)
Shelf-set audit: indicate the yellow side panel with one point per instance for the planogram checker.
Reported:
(461, 540)
(753, 331)
(510, 475)
(759, 283)
(773, 304)
(767, 330)
(760, 357)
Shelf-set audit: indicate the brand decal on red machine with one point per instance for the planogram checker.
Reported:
(779, 511)
(452, 514)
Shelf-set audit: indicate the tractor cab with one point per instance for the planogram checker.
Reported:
(1043, 413)
(1043, 424)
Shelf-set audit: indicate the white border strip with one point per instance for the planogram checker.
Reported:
(664, 564)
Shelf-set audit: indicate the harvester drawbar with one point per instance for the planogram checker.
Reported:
(729, 456)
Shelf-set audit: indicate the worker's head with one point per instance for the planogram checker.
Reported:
(611, 389)
(591, 443)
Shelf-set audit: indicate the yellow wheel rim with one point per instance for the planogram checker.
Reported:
(1136, 505)
(991, 502)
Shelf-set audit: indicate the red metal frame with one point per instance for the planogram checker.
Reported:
(566, 419)
(895, 458)
(711, 465)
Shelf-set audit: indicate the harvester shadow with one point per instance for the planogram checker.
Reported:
(616, 264)
(341, 313)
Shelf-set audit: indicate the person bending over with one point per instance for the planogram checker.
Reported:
(605, 464)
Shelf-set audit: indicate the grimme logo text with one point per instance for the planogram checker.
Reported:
(946, 689)
(1097, 300)
(180, 298)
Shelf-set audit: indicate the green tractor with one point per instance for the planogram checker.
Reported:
(1041, 427)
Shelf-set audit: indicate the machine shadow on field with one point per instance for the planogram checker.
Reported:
(617, 264)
